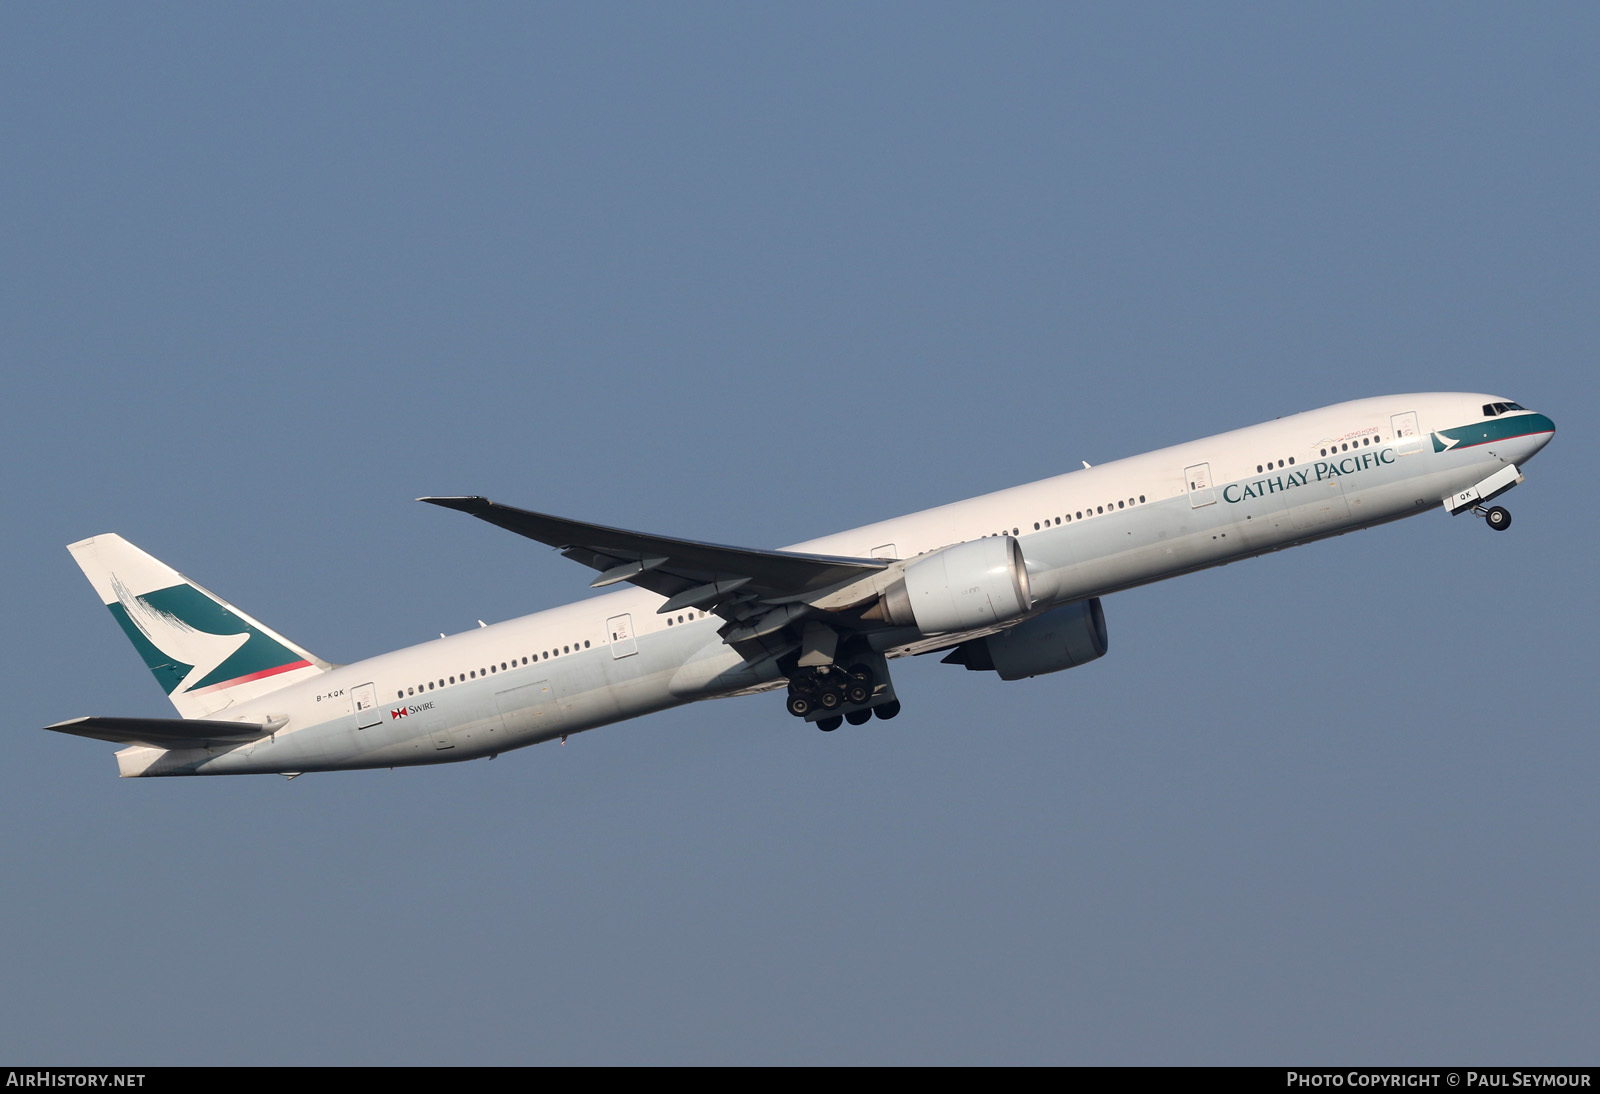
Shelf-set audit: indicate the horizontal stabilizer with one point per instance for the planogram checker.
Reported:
(164, 732)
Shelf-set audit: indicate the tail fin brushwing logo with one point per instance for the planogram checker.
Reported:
(190, 655)
(192, 643)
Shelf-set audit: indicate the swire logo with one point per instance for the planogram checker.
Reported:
(399, 712)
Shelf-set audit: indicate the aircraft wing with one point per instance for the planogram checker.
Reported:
(163, 732)
(727, 580)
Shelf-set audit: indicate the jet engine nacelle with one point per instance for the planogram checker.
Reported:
(960, 588)
(1061, 638)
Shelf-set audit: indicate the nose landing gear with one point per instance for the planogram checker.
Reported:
(1474, 498)
(1496, 517)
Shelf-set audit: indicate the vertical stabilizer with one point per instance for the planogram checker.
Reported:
(205, 653)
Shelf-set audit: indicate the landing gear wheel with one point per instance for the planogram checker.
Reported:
(799, 705)
(1497, 518)
(887, 710)
(858, 689)
(829, 699)
(828, 725)
(858, 717)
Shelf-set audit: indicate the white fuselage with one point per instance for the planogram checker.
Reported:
(1083, 534)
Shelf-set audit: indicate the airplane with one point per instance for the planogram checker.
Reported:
(1009, 582)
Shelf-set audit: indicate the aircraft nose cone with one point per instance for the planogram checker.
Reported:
(1540, 430)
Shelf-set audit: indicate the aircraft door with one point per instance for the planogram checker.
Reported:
(365, 698)
(1199, 479)
(1407, 433)
(622, 640)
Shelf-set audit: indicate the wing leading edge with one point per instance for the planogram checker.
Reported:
(690, 574)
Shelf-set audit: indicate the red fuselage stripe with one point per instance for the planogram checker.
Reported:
(252, 676)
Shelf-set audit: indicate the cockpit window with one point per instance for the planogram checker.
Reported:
(1491, 409)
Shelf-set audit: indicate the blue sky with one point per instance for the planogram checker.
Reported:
(754, 273)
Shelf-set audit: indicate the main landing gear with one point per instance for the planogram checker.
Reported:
(830, 688)
(859, 717)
